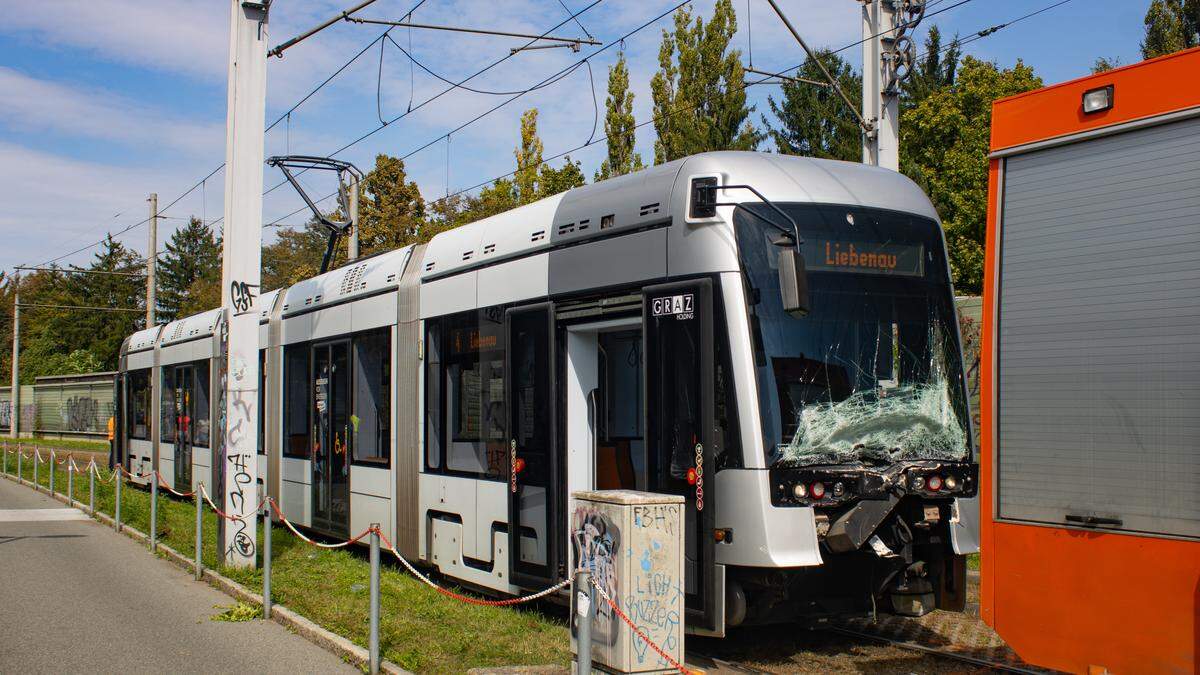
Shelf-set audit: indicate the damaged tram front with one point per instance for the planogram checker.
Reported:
(863, 410)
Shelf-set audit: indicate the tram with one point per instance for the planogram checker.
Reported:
(771, 337)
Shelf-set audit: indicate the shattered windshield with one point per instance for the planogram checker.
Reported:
(873, 373)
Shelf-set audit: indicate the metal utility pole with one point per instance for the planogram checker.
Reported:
(240, 277)
(352, 240)
(151, 259)
(14, 401)
(888, 55)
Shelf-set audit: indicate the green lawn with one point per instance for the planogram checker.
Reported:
(420, 630)
(60, 444)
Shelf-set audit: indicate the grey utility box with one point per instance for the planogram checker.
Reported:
(632, 545)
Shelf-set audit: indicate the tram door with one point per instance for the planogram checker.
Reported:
(679, 425)
(533, 464)
(331, 438)
(184, 380)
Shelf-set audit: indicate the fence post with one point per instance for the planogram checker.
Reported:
(52, 472)
(154, 477)
(117, 509)
(267, 562)
(374, 640)
(584, 611)
(92, 488)
(70, 482)
(35, 468)
(20, 469)
(199, 530)
(6, 457)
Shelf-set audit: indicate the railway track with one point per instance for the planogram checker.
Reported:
(942, 653)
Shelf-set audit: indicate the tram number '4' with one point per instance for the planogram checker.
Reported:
(682, 307)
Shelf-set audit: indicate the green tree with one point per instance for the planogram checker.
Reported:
(699, 92)
(552, 181)
(295, 255)
(192, 254)
(62, 332)
(944, 146)
(619, 125)
(813, 120)
(391, 210)
(934, 72)
(1171, 26)
(1103, 64)
(529, 159)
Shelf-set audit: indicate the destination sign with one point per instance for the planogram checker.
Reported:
(864, 257)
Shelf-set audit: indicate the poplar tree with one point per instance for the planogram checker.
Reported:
(699, 91)
(529, 158)
(1171, 26)
(619, 125)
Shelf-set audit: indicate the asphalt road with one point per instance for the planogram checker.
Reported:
(77, 597)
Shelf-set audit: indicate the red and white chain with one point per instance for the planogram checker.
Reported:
(638, 631)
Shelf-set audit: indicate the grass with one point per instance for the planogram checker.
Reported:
(61, 444)
(420, 629)
(973, 562)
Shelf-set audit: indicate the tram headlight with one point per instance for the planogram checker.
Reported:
(817, 490)
(799, 490)
(935, 483)
(951, 483)
(839, 489)
(918, 482)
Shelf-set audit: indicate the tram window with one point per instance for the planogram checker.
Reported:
(167, 405)
(200, 398)
(371, 421)
(433, 396)
(472, 372)
(729, 448)
(295, 397)
(139, 404)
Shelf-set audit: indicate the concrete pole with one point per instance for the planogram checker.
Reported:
(266, 573)
(14, 420)
(881, 146)
(352, 240)
(584, 613)
(151, 259)
(153, 511)
(199, 532)
(240, 276)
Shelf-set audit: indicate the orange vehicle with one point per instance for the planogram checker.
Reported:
(1090, 389)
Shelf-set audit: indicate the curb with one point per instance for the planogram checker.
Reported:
(293, 621)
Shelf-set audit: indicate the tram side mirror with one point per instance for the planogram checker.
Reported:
(793, 282)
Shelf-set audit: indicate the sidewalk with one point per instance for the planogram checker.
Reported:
(77, 597)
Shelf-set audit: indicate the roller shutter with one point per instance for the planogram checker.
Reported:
(1099, 333)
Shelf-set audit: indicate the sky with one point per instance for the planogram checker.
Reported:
(103, 102)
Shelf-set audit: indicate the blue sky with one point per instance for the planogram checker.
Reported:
(105, 101)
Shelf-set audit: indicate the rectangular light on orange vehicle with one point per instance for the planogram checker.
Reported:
(1096, 100)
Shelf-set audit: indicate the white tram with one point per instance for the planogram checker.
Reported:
(628, 334)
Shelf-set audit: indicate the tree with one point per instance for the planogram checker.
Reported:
(619, 125)
(552, 181)
(529, 159)
(295, 255)
(1103, 64)
(699, 91)
(391, 210)
(933, 73)
(944, 146)
(814, 120)
(192, 254)
(1171, 26)
(62, 332)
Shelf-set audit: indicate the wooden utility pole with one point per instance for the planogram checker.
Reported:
(151, 259)
(240, 277)
(14, 400)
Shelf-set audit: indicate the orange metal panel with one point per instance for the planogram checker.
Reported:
(1143, 89)
(1065, 598)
